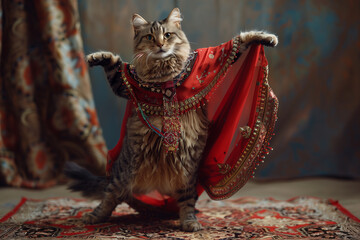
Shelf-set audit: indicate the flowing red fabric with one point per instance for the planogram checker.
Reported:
(227, 116)
(241, 107)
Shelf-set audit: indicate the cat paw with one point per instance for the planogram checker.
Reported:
(191, 226)
(270, 40)
(99, 58)
(89, 218)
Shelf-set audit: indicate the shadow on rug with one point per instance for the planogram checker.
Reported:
(244, 218)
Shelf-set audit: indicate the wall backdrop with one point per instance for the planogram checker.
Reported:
(313, 71)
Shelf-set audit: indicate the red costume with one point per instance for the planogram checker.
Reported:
(242, 110)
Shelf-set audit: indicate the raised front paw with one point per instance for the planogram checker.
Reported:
(191, 225)
(90, 218)
(99, 58)
(269, 40)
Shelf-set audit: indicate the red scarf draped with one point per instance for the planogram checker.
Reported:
(242, 109)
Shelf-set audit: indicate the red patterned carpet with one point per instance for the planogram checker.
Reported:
(244, 218)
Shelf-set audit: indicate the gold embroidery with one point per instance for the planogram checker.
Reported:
(257, 145)
(224, 168)
(246, 131)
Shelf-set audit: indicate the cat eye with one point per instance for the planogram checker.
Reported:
(149, 37)
(167, 35)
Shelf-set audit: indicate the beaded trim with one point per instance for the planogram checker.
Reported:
(178, 80)
(257, 147)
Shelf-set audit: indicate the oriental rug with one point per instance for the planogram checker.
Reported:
(243, 218)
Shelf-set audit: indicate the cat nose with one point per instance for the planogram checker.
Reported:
(159, 44)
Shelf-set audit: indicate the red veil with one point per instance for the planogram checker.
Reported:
(242, 109)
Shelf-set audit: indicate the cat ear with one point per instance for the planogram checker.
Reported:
(138, 22)
(175, 17)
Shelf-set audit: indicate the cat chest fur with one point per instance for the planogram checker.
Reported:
(156, 170)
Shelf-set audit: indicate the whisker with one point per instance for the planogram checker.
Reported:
(138, 55)
(147, 58)
(193, 42)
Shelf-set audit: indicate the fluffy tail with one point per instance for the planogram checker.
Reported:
(83, 181)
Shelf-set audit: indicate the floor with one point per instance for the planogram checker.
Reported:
(346, 191)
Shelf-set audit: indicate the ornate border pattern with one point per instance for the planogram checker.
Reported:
(257, 146)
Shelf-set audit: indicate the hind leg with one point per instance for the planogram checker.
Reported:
(186, 201)
(115, 193)
(103, 211)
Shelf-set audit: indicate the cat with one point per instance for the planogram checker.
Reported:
(161, 53)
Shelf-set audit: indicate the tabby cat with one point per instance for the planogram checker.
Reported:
(161, 52)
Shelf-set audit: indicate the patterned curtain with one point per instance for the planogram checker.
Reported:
(47, 113)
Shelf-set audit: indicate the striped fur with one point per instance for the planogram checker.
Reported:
(143, 166)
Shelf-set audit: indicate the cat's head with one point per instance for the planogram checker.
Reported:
(160, 47)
